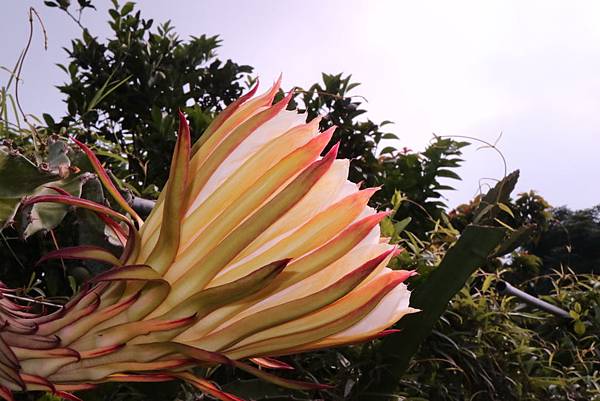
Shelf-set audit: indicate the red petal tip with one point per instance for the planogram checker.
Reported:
(252, 90)
(386, 333)
(333, 151)
(398, 251)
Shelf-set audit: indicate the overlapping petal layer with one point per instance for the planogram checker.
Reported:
(258, 246)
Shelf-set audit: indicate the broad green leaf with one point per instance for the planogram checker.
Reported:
(18, 178)
(46, 216)
(432, 296)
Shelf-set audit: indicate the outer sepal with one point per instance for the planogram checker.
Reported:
(108, 184)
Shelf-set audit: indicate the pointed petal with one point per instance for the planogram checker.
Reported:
(335, 318)
(223, 116)
(75, 330)
(139, 378)
(271, 363)
(98, 352)
(66, 395)
(280, 381)
(11, 375)
(315, 233)
(34, 382)
(175, 202)
(74, 387)
(206, 387)
(121, 334)
(30, 341)
(108, 184)
(60, 352)
(86, 307)
(204, 171)
(205, 269)
(289, 311)
(86, 252)
(206, 301)
(131, 272)
(101, 372)
(224, 223)
(7, 355)
(6, 394)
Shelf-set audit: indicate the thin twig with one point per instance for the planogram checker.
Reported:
(27, 299)
(21, 61)
(12, 252)
(62, 262)
(77, 20)
(487, 145)
(333, 95)
(19, 68)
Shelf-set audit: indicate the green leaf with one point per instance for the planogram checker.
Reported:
(388, 149)
(387, 227)
(515, 239)
(486, 283)
(127, 8)
(18, 178)
(448, 174)
(402, 224)
(579, 327)
(104, 91)
(504, 207)
(46, 216)
(48, 120)
(115, 14)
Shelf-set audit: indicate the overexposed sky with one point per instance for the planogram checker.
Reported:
(529, 70)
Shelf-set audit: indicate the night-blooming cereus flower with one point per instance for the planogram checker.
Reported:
(257, 247)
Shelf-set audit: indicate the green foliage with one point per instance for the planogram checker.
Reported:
(555, 236)
(125, 91)
(532, 209)
(470, 251)
(490, 347)
(31, 231)
(19, 178)
(571, 239)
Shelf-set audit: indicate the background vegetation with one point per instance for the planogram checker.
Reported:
(122, 93)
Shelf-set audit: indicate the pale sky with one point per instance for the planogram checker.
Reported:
(529, 70)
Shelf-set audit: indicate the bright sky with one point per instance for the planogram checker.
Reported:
(529, 70)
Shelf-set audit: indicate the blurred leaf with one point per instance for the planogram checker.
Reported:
(58, 162)
(579, 327)
(489, 208)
